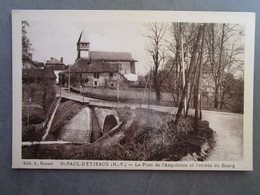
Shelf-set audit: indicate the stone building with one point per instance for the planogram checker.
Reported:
(99, 68)
(56, 66)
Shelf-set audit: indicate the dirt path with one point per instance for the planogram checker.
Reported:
(229, 136)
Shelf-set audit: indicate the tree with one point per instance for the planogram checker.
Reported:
(175, 67)
(156, 33)
(26, 44)
(224, 56)
(183, 37)
(232, 93)
(191, 68)
(197, 94)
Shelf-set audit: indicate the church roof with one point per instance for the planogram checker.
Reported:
(118, 56)
(83, 65)
(83, 38)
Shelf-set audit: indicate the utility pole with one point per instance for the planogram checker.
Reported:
(183, 74)
(28, 113)
(69, 80)
(82, 91)
(117, 95)
(144, 90)
(60, 83)
(149, 95)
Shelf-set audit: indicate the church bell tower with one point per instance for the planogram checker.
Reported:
(83, 46)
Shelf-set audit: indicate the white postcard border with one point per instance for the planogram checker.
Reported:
(135, 16)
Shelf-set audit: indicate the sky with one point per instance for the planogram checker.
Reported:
(58, 39)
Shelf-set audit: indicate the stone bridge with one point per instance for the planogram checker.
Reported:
(89, 125)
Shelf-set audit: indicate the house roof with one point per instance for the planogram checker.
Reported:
(57, 67)
(38, 73)
(34, 64)
(54, 61)
(118, 56)
(83, 65)
(83, 38)
(40, 64)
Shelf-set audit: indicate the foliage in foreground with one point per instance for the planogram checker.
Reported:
(144, 135)
(152, 135)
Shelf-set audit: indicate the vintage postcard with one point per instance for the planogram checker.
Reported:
(132, 90)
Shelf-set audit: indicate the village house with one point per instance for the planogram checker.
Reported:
(99, 68)
(28, 63)
(56, 65)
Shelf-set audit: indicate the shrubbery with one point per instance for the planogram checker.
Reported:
(145, 135)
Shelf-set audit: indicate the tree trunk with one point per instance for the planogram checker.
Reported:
(191, 91)
(191, 68)
(219, 65)
(196, 109)
(157, 89)
(216, 101)
(197, 89)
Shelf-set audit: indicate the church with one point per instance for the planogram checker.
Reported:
(99, 68)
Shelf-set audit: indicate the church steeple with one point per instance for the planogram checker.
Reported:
(83, 46)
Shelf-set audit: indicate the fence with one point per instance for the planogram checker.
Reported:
(125, 95)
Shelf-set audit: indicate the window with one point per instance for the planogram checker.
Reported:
(95, 82)
(96, 75)
(110, 75)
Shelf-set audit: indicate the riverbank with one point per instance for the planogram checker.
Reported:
(144, 135)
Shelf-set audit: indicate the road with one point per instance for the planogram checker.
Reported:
(228, 126)
(229, 136)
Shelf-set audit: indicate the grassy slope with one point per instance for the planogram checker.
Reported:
(145, 135)
(150, 135)
(38, 119)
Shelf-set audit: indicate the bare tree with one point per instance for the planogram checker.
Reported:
(156, 33)
(191, 68)
(176, 31)
(224, 56)
(197, 94)
(183, 40)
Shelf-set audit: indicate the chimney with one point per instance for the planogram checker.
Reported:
(61, 59)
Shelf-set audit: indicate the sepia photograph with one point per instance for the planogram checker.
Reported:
(133, 90)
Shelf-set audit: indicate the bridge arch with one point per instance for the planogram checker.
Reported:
(107, 118)
(109, 123)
